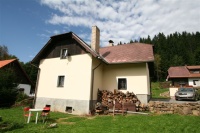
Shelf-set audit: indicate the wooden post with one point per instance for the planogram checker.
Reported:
(113, 107)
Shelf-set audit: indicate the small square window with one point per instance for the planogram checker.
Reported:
(61, 81)
(122, 84)
(68, 109)
(63, 54)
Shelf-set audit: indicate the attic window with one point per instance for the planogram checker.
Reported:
(63, 54)
(122, 84)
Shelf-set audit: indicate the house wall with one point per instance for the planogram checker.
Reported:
(136, 75)
(177, 82)
(192, 80)
(77, 83)
(172, 91)
(26, 87)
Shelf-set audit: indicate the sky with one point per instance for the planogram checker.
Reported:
(27, 25)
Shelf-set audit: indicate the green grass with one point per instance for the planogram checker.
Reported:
(156, 90)
(101, 124)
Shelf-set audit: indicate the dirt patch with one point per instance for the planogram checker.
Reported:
(72, 120)
(165, 94)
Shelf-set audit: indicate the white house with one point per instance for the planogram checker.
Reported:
(183, 76)
(71, 71)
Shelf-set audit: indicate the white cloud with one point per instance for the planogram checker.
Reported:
(125, 20)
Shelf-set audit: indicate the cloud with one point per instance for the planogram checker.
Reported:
(124, 20)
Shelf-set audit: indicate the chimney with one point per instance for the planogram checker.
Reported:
(95, 40)
(111, 43)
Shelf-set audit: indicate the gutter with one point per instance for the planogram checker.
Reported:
(91, 90)
(36, 86)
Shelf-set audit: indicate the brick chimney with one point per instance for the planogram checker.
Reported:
(95, 39)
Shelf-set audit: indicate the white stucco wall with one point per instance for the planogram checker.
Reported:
(172, 91)
(26, 87)
(136, 75)
(77, 72)
(190, 80)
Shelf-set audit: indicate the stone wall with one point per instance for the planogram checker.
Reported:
(174, 108)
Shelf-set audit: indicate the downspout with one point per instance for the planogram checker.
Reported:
(36, 86)
(91, 90)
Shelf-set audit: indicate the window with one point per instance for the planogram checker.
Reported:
(21, 90)
(195, 82)
(68, 109)
(61, 81)
(122, 84)
(63, 54)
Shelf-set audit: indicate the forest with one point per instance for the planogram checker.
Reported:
(177, 49)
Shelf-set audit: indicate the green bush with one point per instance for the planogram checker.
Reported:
(21, 96)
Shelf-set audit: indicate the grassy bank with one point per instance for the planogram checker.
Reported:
(156, 90)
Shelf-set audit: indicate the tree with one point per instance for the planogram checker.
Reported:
(157, 62)
(131, 41)
(4, 54)
(8, 87)
(177, 61)
(30, 70)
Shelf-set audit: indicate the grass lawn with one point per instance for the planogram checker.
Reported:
(101, 124)
(156, 90)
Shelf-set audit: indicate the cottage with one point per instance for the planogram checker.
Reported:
(24, 83)
(183, 76)
(71, 71)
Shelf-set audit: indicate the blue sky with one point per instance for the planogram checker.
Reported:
(26, 25)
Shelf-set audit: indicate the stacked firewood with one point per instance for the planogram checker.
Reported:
(122, 101)
(106, 97)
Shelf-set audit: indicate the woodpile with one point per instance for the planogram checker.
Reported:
(117, 100)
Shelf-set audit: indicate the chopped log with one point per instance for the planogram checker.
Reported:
(124, 101)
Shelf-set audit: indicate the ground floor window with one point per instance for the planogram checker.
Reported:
(61, 81)
(122, 84)
(195, 82)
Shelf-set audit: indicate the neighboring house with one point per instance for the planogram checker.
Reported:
(183, 76)
(71, 72)
(24, 83)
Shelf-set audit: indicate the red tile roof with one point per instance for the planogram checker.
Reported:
(127, 53)
(193, 67)
(5, 62)
(182, 72)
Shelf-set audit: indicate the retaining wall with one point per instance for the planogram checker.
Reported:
(174, 108)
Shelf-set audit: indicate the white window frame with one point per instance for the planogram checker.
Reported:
(61, 81)
(63, 53)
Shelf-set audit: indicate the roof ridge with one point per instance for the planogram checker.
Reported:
(121, 45)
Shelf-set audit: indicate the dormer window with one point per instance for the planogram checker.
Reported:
(63, 54)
